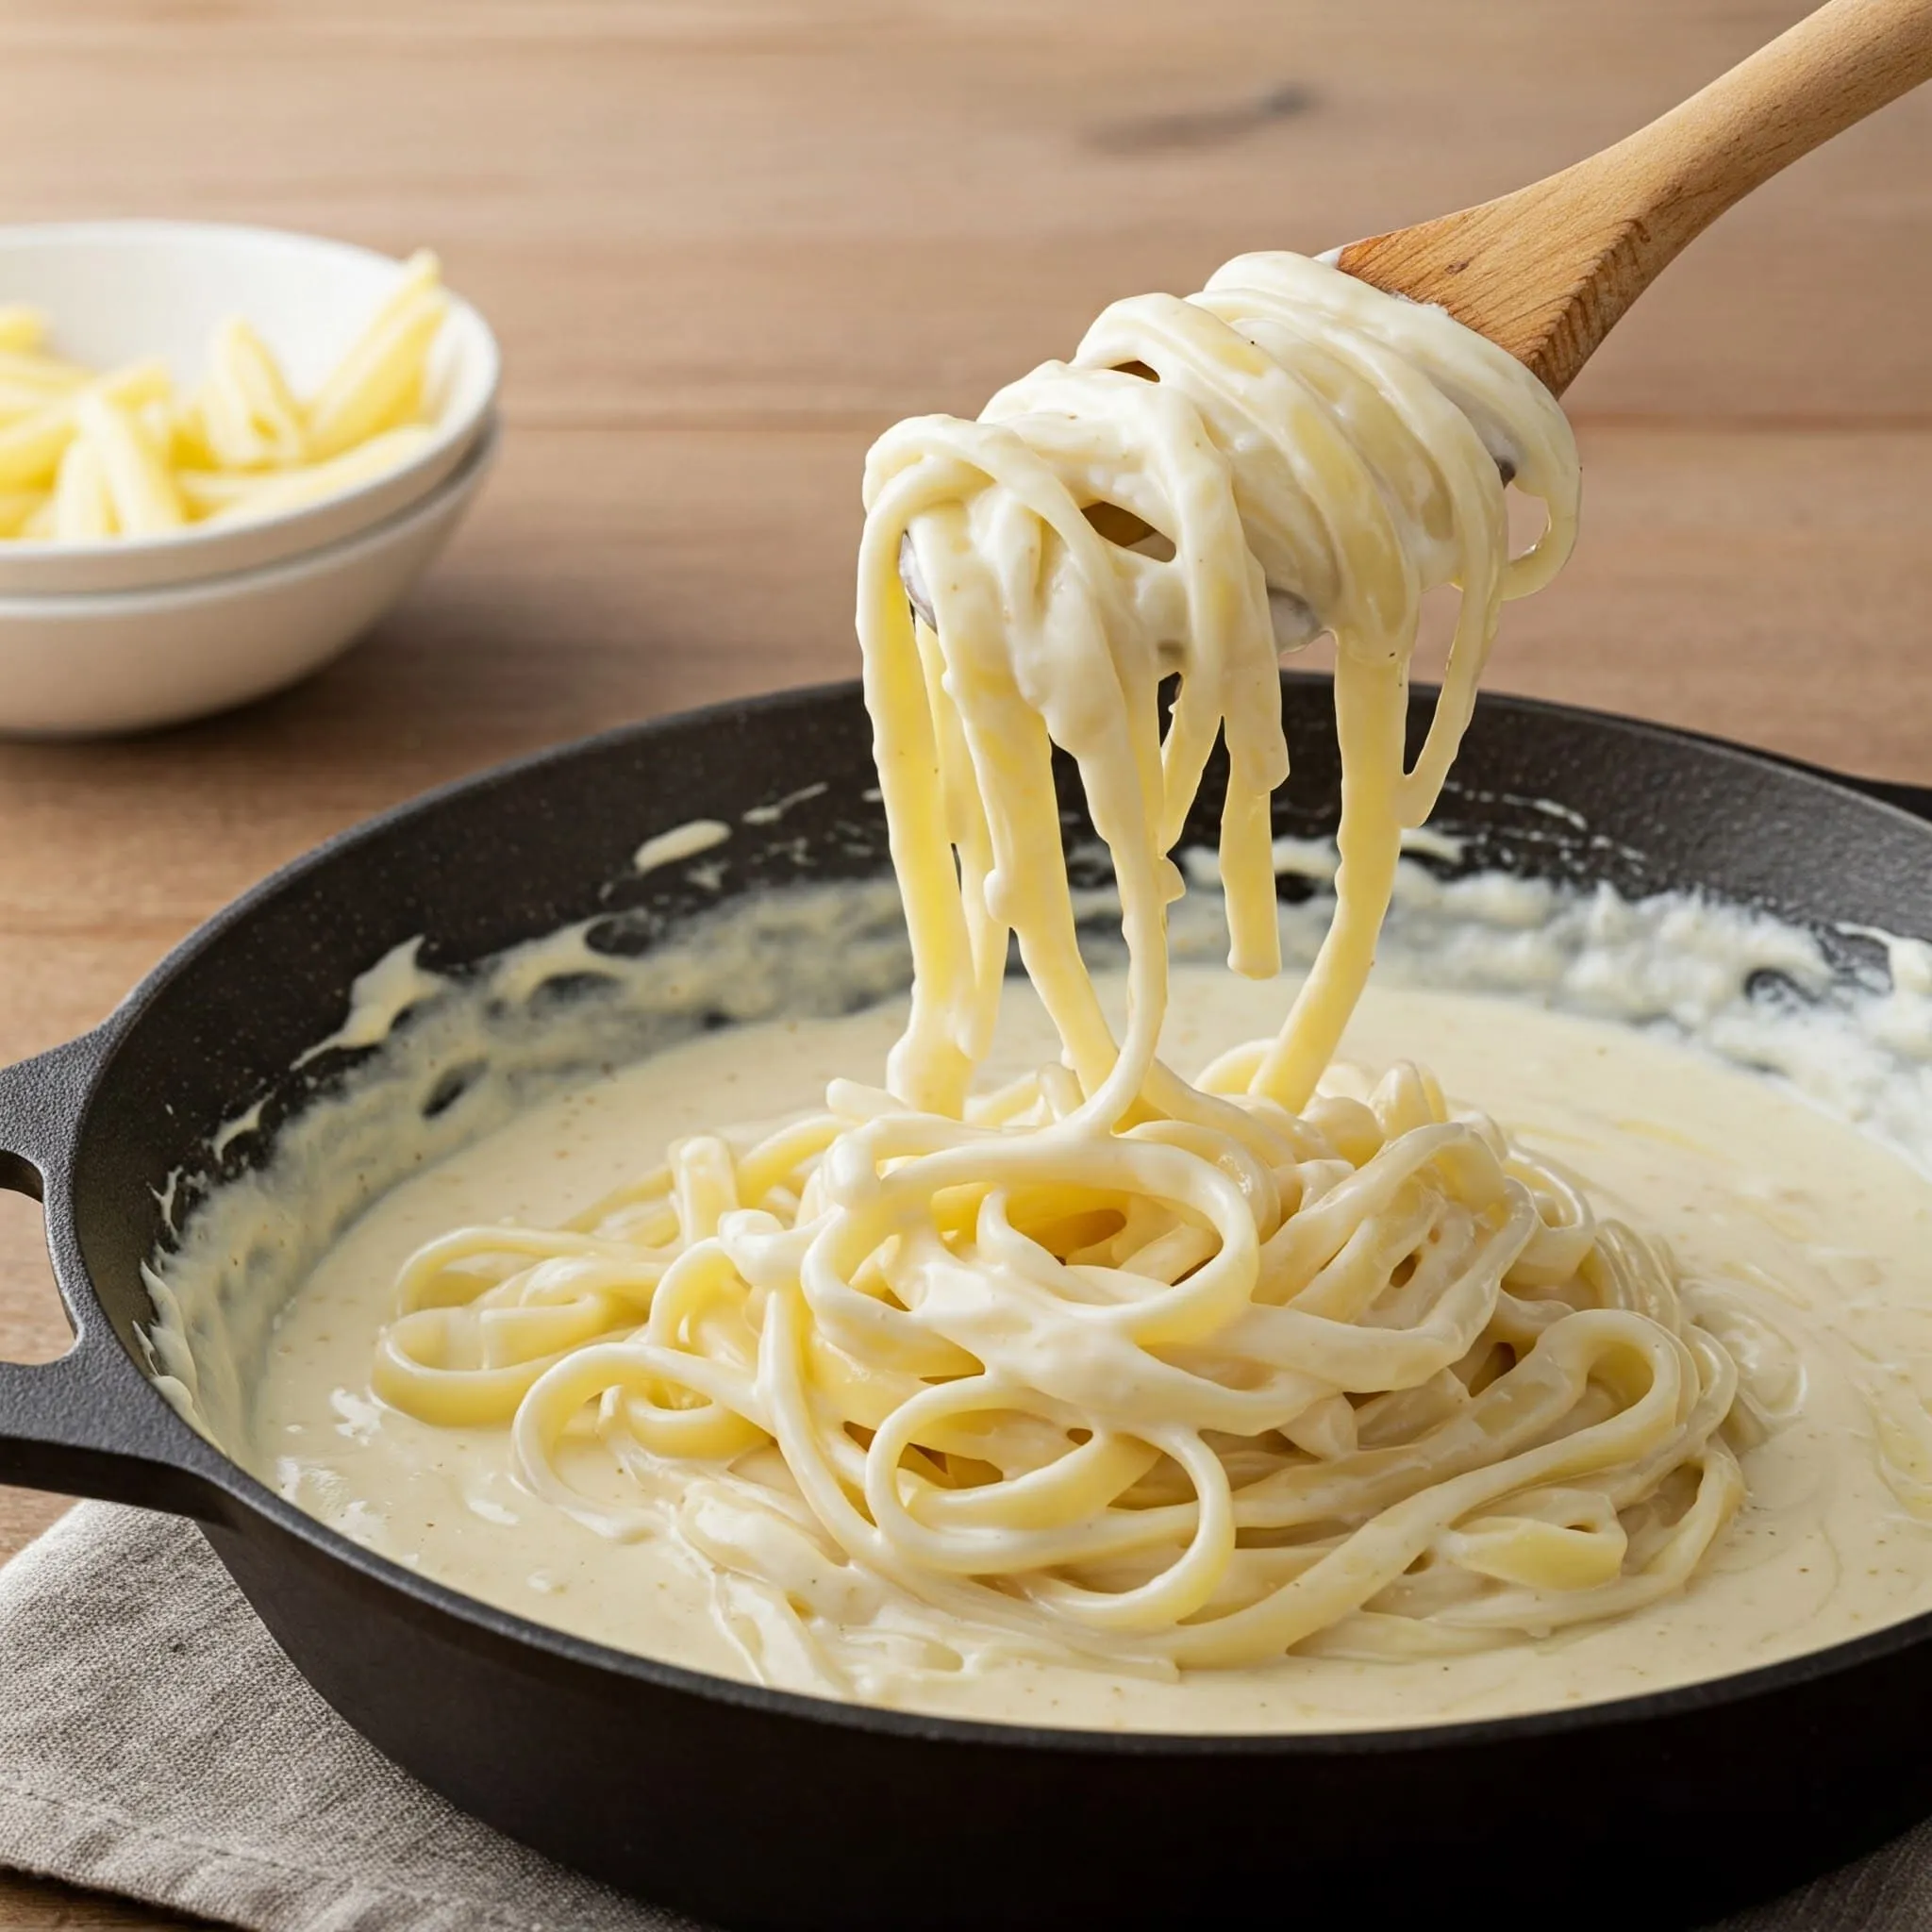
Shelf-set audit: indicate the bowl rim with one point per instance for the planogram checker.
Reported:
(450, 430)
(244, 1495)
(318, 561)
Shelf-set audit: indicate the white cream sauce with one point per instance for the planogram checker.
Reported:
(680, 843)
(1802, 1240)
(1134, 1377)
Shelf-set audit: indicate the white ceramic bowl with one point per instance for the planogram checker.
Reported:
(119, 292)
(123, 661)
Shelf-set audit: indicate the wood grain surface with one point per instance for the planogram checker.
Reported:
(1547, 270)
(725, 241)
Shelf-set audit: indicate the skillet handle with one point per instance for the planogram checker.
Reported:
(90, 1424)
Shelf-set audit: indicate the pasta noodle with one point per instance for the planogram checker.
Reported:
(1162, 1372)
(119, 455)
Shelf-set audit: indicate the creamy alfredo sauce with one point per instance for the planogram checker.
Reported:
(1802, 1239)
(1139, 1389)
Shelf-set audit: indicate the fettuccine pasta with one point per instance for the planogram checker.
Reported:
(1163, 1371)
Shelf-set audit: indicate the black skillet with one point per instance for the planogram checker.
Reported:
(750, 1808)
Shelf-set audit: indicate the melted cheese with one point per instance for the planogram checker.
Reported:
(1097, 1390)
(1799, 1239)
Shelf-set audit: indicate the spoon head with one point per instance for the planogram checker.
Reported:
(1295, 625)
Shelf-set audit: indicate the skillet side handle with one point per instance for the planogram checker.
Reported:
(90, 1424)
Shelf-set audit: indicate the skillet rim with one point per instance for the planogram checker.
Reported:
(211, 1467)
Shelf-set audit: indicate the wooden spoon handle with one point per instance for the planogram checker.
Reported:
(1545, 272)
(1835, 67)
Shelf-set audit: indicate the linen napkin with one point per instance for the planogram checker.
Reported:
(155, 1743)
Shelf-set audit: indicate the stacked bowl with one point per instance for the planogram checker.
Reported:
(127, 632)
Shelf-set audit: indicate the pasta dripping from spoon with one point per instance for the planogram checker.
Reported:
(1106, 1362)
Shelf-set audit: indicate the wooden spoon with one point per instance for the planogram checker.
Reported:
(1546, 271)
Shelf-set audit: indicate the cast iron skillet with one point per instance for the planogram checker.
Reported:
(754, 1808)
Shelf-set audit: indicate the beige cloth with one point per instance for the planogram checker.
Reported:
(155, 1743)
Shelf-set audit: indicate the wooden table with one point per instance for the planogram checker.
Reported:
(725, 241)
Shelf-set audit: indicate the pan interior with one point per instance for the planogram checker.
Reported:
(786, 911)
